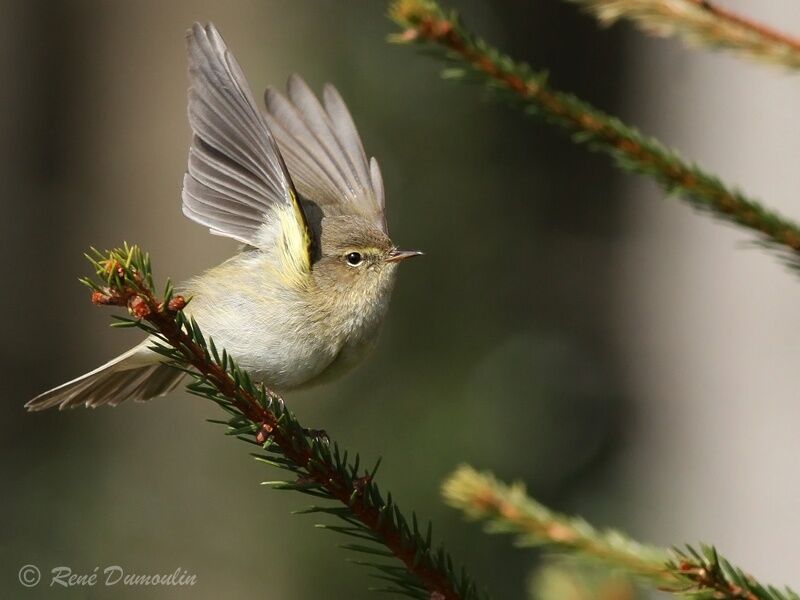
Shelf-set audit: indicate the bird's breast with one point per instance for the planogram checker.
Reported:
(261, 324)
(283, 338)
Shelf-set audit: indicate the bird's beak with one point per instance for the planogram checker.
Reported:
(399, 255)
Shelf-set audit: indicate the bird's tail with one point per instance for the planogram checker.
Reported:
(135, 375)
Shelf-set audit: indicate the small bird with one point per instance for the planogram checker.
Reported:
(304, 299)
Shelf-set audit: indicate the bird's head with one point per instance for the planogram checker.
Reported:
(357, 261)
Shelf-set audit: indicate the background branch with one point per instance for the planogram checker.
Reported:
(508, 509)
(426, 23)
(571, 580)
(256, 415)
(702, 23)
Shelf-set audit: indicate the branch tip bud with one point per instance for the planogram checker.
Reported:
(177, 303)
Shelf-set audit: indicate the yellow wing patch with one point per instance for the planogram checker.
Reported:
(294, 244)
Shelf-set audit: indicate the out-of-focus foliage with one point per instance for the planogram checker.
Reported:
(474, 59)
(703, 23)
(564, 580)
(496, 349)
(700, 574)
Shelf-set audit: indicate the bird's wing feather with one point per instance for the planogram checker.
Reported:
(237, 183)
(324, 151)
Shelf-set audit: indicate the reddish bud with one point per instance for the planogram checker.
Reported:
(177, 303)
(441, 28)
(139, 307)
(409, 35)
(100, 298)
(107, 297)
(264, 433)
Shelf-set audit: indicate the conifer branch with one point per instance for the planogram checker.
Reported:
(571, 580)
(699, 574)
(425, 23)
(702, 23)
(258, 416)
(508, 509)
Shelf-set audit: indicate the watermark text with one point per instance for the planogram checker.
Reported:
(108, 576)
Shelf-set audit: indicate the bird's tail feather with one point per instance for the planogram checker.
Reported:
(135, 375)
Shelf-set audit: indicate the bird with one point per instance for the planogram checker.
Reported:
(303, 299)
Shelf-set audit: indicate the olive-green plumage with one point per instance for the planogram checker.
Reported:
(305, 298)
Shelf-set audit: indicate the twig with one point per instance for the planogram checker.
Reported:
(508, 509)
(261, 417)
(705, 23)
(425, 22)
(569, 580)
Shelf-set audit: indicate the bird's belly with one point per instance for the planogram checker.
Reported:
(278, 344)
(277, 352)
(348, 357)
(281, 362)
(285, 359)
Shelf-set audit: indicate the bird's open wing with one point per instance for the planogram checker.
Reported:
(324, 151)
(236, 183)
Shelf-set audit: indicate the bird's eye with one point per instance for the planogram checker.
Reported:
(354, 259)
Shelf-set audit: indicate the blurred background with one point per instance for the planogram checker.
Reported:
(629, 360)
